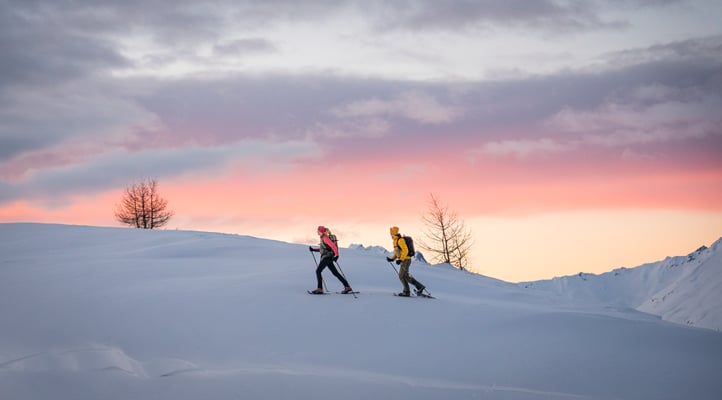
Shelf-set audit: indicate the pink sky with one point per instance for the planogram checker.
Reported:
(600, 147)
(586, 222)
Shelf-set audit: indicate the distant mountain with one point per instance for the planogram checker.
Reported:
(419, 257)
(683, 289)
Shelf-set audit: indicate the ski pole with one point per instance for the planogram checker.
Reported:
(344, 276)
(340, 270)
(315, 262)
(392, 266)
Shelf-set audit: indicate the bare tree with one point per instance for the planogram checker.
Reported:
(447, 239)
(142, 206)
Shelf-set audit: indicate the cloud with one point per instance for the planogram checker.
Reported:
(652, 102)
(368, 128)
(415, 106)
(460, 15)
(36, 50)
(115, 169)
(47, 41)
(188, 19)
(244, 47)
(67, 112)
(91, 112)
(521, 148)
(241, 106)
(645, 115)
(707, 49)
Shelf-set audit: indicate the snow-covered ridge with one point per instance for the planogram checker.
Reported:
(370, 249)
(682, 289)
(419, 257)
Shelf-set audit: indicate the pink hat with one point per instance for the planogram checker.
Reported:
(322, 229)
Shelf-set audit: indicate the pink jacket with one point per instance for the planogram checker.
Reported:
(328, 242)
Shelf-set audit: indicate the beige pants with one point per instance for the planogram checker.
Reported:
(406, 278)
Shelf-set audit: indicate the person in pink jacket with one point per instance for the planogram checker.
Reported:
(329, 254)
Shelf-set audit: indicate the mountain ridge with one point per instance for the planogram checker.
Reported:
(681, 289)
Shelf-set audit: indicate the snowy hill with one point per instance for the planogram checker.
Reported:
(112, 313)
(683, 289)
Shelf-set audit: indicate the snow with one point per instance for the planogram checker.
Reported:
(115, 313)
(683, 289)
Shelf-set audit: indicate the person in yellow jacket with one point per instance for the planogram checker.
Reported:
(401, 255)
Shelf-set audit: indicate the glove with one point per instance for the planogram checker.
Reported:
(389, 259)
(310, 248)
(398, 262)
(335, 258)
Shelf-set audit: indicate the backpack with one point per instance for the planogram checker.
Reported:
(334, 240)
(409, 245)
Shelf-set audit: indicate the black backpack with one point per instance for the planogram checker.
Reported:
(409, 245)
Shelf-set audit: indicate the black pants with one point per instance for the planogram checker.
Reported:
(328, 262)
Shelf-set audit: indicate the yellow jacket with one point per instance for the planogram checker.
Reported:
(400, 250)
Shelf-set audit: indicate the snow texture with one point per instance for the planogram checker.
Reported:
(113, 313)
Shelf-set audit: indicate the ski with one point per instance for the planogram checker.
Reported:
(348, 292)
(428, 296)
(310, 292)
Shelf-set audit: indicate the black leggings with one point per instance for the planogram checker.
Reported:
(328, 262)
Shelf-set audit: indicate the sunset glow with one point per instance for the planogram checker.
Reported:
(589, 136)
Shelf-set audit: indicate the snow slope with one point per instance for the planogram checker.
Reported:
(112, 313)
(683, 289)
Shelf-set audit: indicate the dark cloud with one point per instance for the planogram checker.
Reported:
(116, 169)
(326, 107)
(641, 3)
(170, 23)
(11, 146)
(547, 15)
(44, 42)
(244, 106)
(706, 49)
(244, 47)
(40, 52)
(378, 116)
(89, 111)
(189, 18)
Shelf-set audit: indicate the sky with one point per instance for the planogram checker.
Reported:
(568, 136)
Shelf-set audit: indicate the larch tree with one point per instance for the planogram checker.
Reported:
(142, 207)
(446, 237)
